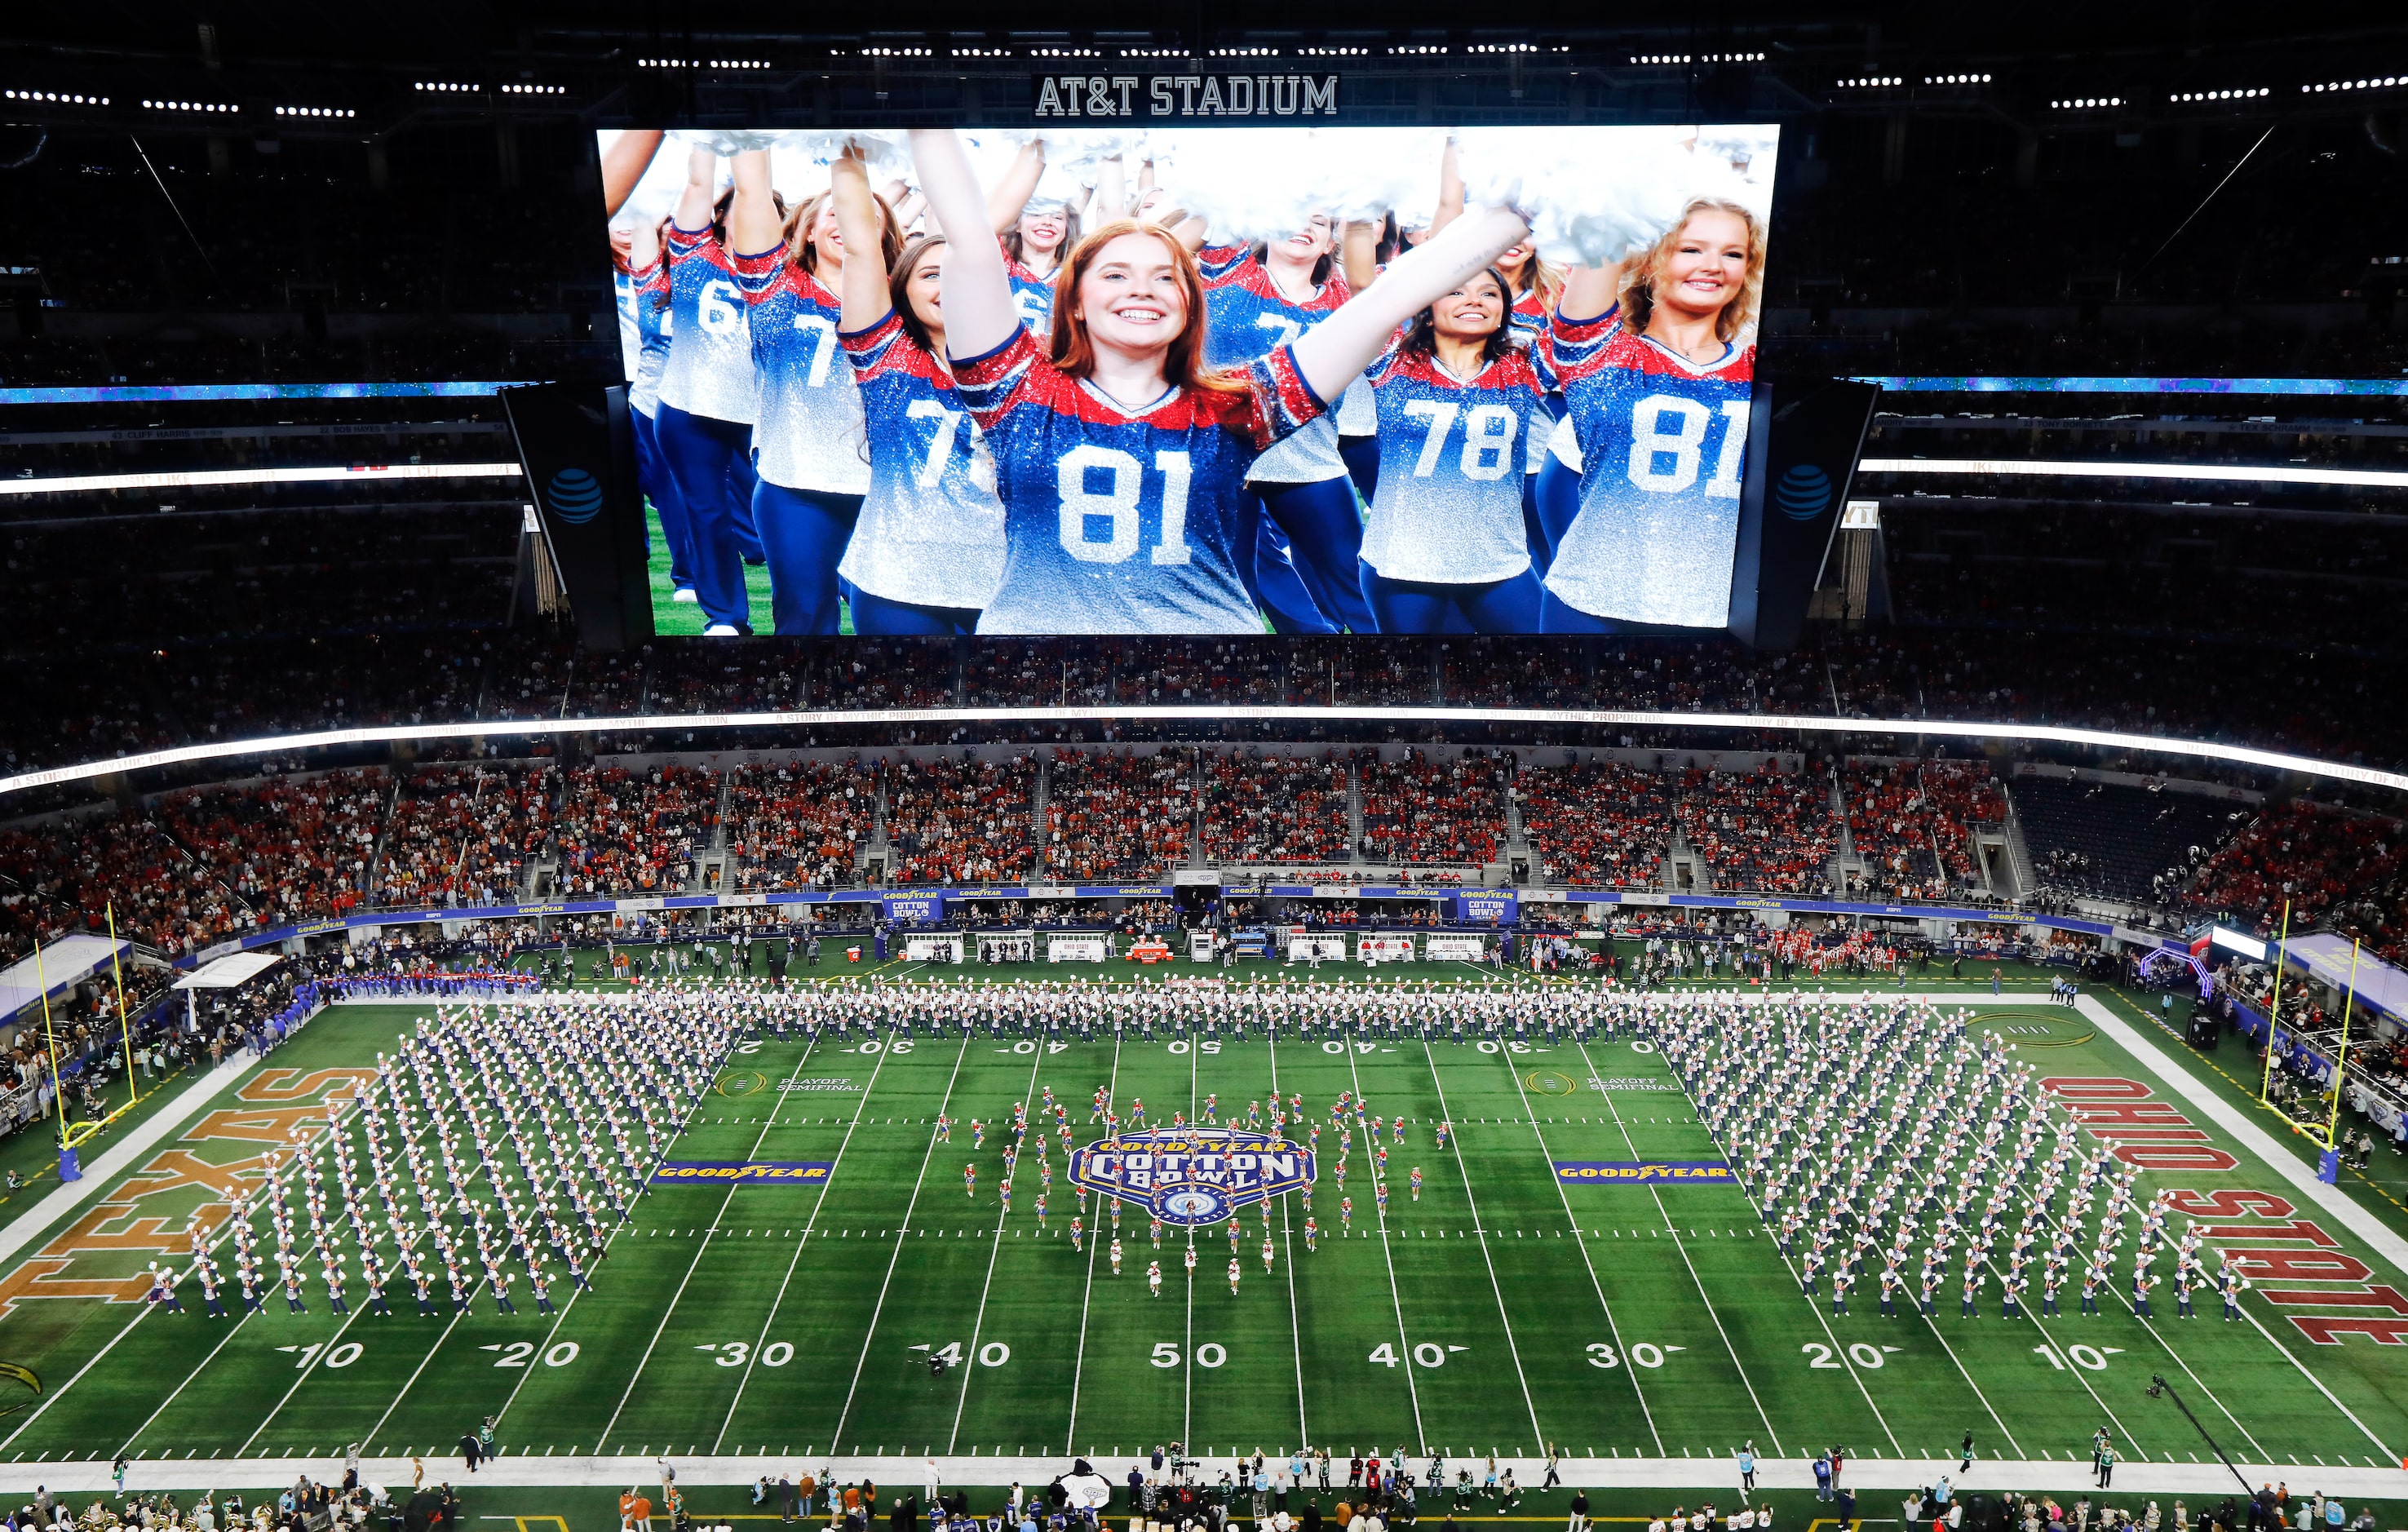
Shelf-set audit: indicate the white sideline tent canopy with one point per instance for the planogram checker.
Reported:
(57, 970)
(224, 973)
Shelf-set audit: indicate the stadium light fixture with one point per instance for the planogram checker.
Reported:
(1652, 58)
(2188, 97)
(981, 52)
(446, 87)
(1337, 53)
(58, 98)
(524, 87)
(1382, 714)
(315, 111)
(2099, 468)
(2385, 82)
(192, 105)
(1956, 80)
(2086, 103)
(1870, 82)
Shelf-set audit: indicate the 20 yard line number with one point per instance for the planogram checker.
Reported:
(1861, 1353)
(516, 1353)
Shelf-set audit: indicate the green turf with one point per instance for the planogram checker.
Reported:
(683, 619)
(1498, 1313)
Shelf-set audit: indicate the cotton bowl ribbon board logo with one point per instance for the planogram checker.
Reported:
(1804, 491)
(1192, 1176)
(576, 496)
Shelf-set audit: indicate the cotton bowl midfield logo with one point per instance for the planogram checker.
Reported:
(1192, 1176)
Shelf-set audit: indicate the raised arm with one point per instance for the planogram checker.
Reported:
(701, 188)
(1333, 352)
(624, 164)
(754, 226)
(865, 297)
(979, 314)
(1111, 189)
(1590, 292)
(644, 246)
(1013, 192)
(1450, 191)
(1361, 248)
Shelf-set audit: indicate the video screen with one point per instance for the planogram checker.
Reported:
(1195, 381)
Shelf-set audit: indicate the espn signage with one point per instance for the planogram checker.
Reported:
(1120, 97)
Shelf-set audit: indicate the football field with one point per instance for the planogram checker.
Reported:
(1499, 1310)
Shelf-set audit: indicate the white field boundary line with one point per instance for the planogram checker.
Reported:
(2357, 1220)
(1937, 728)
(119, 1158)
(2070, 1475)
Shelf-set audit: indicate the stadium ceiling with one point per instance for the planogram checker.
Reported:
(1807, 727)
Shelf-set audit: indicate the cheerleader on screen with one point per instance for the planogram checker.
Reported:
(1034, 235)
(811, 453)
(638, 254)
(1657, 388)
(1460, 409)
(705, 421)
(928, 549)
(1121, 459)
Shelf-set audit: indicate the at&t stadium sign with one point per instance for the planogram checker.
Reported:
(1192, 1176)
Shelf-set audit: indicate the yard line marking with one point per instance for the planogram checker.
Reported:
(633, 1378)
(1094, 1237)
(928, 1157)
(1837, 1350)
(1287, 1242)
(1413, 1388)
(811, 1042)
(1598, 1288)
(1187, 1372)
(1460, 1169)
(1028, 1092)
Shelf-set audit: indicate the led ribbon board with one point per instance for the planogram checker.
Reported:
(1192, 1176)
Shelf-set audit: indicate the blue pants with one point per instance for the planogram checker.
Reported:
(875, 614)
(804, 533)
(1362, 458)
(1269, 574)
(710, 458)
(1325, 533)
(1408, 606)
(1556, 498)
(660, 487)
(1555, 616)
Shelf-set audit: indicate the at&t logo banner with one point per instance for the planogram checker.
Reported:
(1192, 1176)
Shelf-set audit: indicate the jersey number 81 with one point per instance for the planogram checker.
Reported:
(1663, 425)
(1082, 465)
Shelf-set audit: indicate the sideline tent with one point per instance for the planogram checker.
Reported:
(63, 966)
(228, 972)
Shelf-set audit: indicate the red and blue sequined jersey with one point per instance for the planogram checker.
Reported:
(1032, 294)
(1246, 316)
(1120, 521)
(710, 369)
(808, 434)
(1452, 452)
(931, 529)
(1663, 449)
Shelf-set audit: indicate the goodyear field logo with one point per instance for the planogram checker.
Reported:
(576, 496)
(1192, 1176)
(1640, 1172)
(741, 1172)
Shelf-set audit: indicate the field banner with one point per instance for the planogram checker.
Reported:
(1078, 948)
(946, 948)
(1453, 949)
(913, 906)
(1383, 948)
(1192, 1176)
(1488, 906)
(1642, 1172)
(742, 1172)
(1302, 948)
